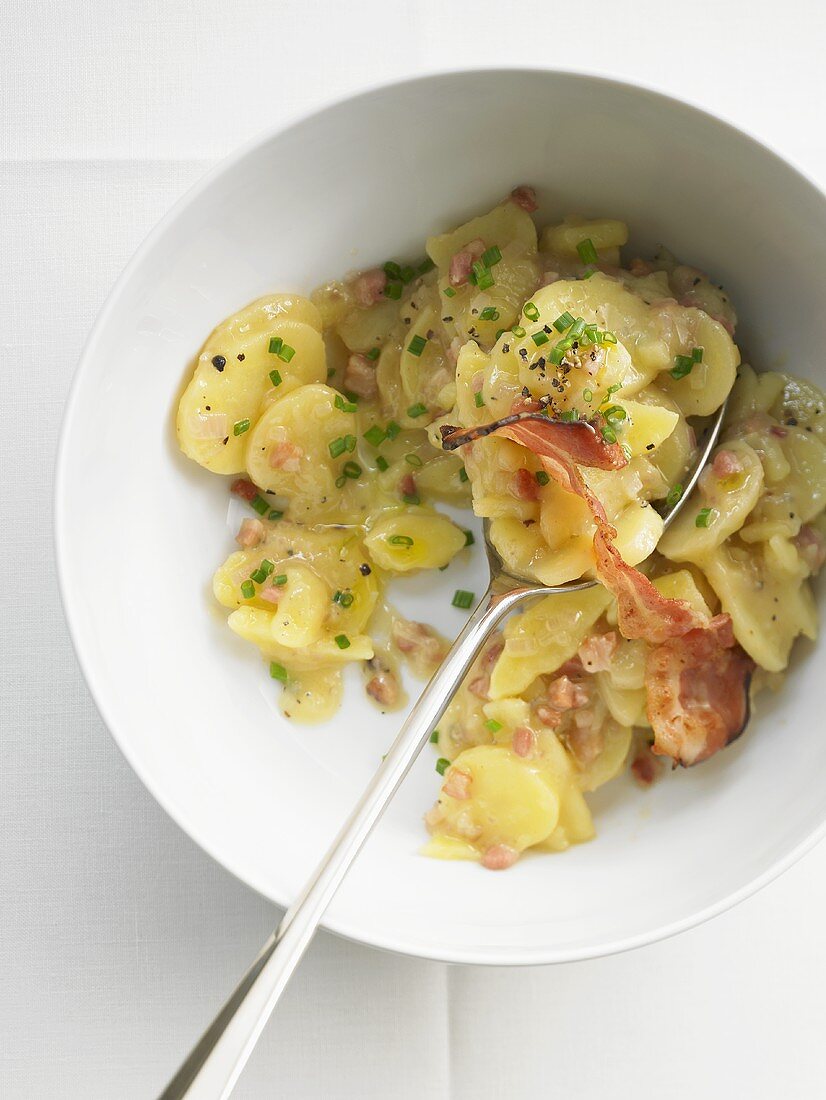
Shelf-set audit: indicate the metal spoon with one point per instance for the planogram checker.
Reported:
(215, 1063)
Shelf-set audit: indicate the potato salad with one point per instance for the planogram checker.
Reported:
(561, 393)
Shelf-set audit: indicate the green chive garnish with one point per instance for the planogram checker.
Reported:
(697, 355)
(470, 539)
(416, 410)
(344, 599)
(434, 738)
(425, 266)
(240, 426)
(569, 415)
(336, 447)
(530, 311)
(400, 540)
(683, 365)
(608, 338)
(463, 599)
(286, 353)
(614, 413)
(417, 345)
(392, 271)
(276, 344)
(489, 313)
(393, 290)
(491, 256)
(518, 331)
(588, 395)
(449, 292)
(541, 477)
(576, 329)
(674, 494)
(275, 377)
(278, 672)
(463, 474)
(351, 470)
(342, 641)
(259, 505)
(411, 498)
(478, 399)
(274, 515)
(563, 321)
(349, 443)
(375, 436)
(493, 725)
(392, 429)
(373, 353)
(539, 338)
(407, 275)
(412, 460)
(382, 463)
(247, 589)
(609, 435)
(345, 406)
(442, 765)
(280, 580)
(587, 252)
(704, 517)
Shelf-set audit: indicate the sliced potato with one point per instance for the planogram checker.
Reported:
(505, 223)
(417, 538)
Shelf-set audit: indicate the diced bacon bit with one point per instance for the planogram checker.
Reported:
(585, 739)
(250, 533)
(646, 767)
(781, 433)
(433, 818)
(812, 547)
(597, 650)
(457, 784)
(271, 594)
(548, 716)
(640, 267)
(368, 287)
(462, 262)
(407, 485)
(491, 656)
(698, 699)
(244, 489)
(564, 694)
(572, 668)
(525, 198)
(499, 857)
(479, 686)
(360, 377)
(418, 639)
(524, 741)
(383, 688)
(286, 456)
(524, 485)
(696, 678)
(726, 463)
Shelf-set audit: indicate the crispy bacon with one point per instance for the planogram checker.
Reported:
(499, 857)
(244, 489)
(525, 197)
(697, 688)
(697, 678)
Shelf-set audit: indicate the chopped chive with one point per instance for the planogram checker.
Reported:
(493, 725)
(442, 765)
(407, 275)
(391, 270)
(539, 338)
(588, 272)
(569, 415)
(275, 514)
(590, 334)
(615, 412)
(280, 580)
(393, 290)
(286, 353)
(463, 598)
(267, 566)
(674, 494)
(247, 589)
(344, 599)
(336, 447)
(478, 399)
(240, 426)
(425, 266)
(275, 377)
(608, 338)
(341, 481)
(411, 498)
(463, 474)
(400, 540)
(697, 355)
(276, 344)
(417, 345)
(278, 672)
(683, 365)
(351, 470)
(490, 313)
(434, 738)
(412, 460)
(576, 329)
(499, 331)
(609, 435)
(382, 463)
(530, 311)
(563, 321)
(349, 443)
(491, 256)
(587, 252)
(518, 331)
(416, 410)
(345, 406)
(557, 354)
(375, 436)
(588, 395)
(330, 372)
(392, 429)
(373, 353)
(259, 504)
(541, 477)
(705, 517)
(626, 450)
(342, 641)
(483, 277)
(449, 292)
(470, 538)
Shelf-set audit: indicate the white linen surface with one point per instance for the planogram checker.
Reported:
(118, 937)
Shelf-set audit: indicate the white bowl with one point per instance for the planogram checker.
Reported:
(140, 529)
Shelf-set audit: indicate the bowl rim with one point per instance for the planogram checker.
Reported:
(475, 955)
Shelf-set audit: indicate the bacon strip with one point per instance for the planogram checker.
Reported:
(697, 677)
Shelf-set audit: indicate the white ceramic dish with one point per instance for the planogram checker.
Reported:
(140, 529)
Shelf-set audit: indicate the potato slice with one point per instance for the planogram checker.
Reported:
(505, 223)
(606, 234)
(709, 383)
(417, 538)
(217, 400)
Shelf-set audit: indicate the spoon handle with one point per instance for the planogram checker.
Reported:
(215, 1063)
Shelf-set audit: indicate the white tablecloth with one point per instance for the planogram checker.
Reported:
(118, 937)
